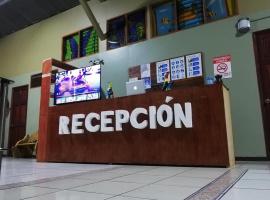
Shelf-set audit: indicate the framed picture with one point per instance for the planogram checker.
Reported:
(194, 65)
(216, 9)
(178, 68)
(190, 13)
(161, 69)
(89, 42)
(116, 32)
(71, 47)
(136, 26)
(165, 18)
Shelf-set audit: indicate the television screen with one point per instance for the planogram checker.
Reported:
(81, 84)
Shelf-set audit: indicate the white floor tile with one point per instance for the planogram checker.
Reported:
(185, 181)
(132, 169)
(23, 192)
(139, 178)
(16, 170)
(257, 171)
(254, 176)
(246, 194)
(65, 183)
(204, 172)
(107, 187)
(99, 176)
(72, 195)
(253, 184)
(165, 171)
(162, 192)
(128, 198)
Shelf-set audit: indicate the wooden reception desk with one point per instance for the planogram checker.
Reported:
(209, 142)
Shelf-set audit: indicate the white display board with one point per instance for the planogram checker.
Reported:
(223, 66)
(162, 68)
(194, 65)
(146, 75)
(145, 70)
(178, 68)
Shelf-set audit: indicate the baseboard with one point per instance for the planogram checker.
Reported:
(251, 159)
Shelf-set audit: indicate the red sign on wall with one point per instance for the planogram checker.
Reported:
(223, 66)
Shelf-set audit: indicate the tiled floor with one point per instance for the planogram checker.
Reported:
(254, 185)
(27, 179)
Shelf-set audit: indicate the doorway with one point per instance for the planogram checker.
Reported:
(17, 129)
(262, 53)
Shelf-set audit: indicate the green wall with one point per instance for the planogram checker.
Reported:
(213, 39)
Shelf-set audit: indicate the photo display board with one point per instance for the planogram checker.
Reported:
(187, 70)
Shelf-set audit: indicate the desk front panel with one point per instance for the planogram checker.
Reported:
(205, 144)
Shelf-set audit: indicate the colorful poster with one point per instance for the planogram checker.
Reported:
(178, 68)
(147, 82)
(116, 30)
(165, 18)
(223, 66)
(71, 44)
(89, 42)
(190, 13)
(216, 9)
(136, 26)
(162, 68)
(194, 65)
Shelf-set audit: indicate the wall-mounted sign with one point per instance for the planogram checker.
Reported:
(145, 70)
(113, 120)
(223, 66)
(146, 75)
(162, 68)
(178, 68)
(194, 65)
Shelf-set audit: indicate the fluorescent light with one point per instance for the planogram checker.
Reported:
(113, 42)
(2, 2)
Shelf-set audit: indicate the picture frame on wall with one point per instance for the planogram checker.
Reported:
(70, 47)
(178, 68)
(116, 32)
(164, 18)
(216, 9)
(89, 42)
(194, 65)
(136, 25)
(190, 13)
(161, 69)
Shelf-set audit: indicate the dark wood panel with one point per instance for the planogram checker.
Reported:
(36, 79)
(18, 117)
(203, 145)
(262, 52)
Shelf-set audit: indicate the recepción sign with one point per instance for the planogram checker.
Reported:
(164, 115)
(223, 66)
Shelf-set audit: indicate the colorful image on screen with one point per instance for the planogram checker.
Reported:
(77, 85)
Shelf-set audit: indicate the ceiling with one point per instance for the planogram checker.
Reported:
(18, 14)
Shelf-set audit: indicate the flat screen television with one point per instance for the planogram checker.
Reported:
(81, 84)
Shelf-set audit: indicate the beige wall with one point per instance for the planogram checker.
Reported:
(23, 51)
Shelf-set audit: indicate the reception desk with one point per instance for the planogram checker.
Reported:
(202, 136)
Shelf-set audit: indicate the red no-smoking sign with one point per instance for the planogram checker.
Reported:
(223, 66)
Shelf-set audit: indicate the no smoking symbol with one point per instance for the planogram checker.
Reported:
(222, 68)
